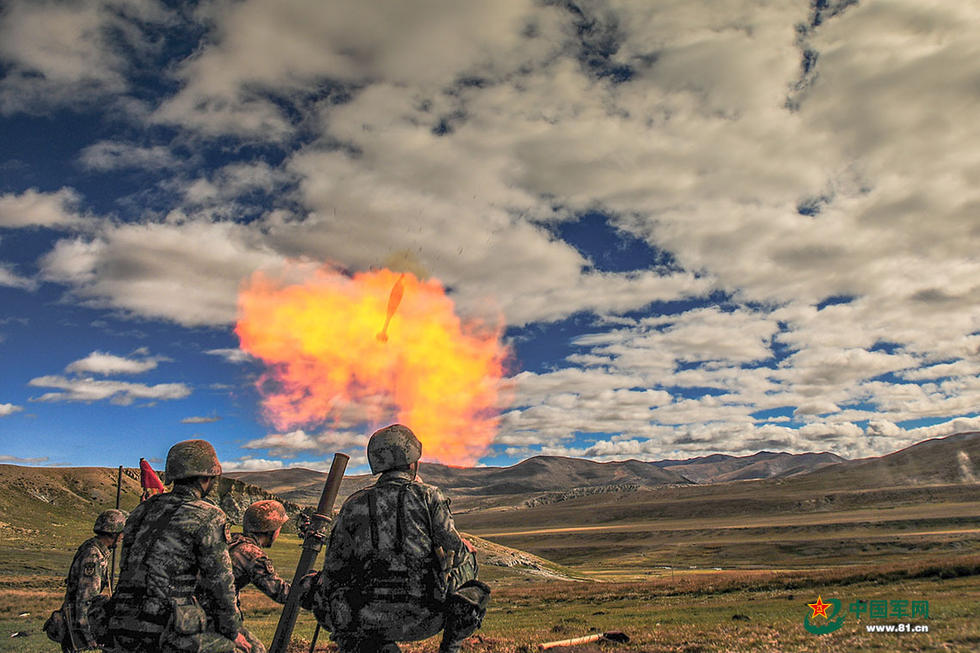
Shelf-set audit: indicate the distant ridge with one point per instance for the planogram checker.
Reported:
(942, 460)
(557, 474)
(719, 468)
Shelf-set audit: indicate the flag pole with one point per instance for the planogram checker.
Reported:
(112, 569)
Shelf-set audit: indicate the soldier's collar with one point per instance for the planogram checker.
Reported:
(396, 475)
(187, 491)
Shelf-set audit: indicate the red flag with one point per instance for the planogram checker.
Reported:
(149, 480)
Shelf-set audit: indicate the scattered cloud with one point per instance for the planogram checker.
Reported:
(32, 208)
(16, 460)
(231, 355)
(105, 364)
(9, 409)
(10, 279)
(247, 464)
(111, 155)
(200, 420)
(286, 445)
(118, 392)
(72, 54)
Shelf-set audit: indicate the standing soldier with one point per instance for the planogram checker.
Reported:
(177, 545)
(88, 578)
(396, 568)
(249, 563)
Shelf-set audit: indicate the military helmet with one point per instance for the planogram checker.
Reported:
(391, 447)
(192, 458)
(110, 522)
(264, 516)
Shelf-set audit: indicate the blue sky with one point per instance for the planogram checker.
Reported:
(724, 229)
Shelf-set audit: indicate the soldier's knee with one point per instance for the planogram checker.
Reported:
(465, 609)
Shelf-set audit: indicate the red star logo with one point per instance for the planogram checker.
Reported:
(819, 608)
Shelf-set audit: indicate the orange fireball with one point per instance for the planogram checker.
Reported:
(433, 371)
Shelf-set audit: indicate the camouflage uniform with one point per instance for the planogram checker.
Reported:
(250, 564)
(88, 576)
(176, 544)
(393, 562)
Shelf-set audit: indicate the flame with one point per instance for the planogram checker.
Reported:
(436, 373)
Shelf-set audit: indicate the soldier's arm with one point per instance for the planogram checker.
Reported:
(263, 575)
(216, 579)
(89, 586)
(444, 533)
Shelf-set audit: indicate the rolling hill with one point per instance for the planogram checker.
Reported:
(554, 475)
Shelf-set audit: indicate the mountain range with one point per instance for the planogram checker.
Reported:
(549, 478)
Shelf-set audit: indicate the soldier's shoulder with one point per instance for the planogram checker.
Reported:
(206, 510)
(90, 548)
(245, 546)
(429, 491)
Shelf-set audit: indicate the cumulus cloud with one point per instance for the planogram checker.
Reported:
(71, 53)
(118, 392)
(105, 364)
(32, 208)
(783, 156)
(9, 409)
(185, 272)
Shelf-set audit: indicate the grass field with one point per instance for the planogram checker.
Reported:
(660, 609)
(703, 568)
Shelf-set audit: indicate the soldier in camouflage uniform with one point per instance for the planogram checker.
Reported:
(88, 578)
(396, 568)
(250, 564)
(177, 545)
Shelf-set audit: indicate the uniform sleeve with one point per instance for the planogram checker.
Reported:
(263, 575)
(444, 533)
(216, 580)
(91, 570)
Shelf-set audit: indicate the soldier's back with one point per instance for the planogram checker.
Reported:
(176, 544)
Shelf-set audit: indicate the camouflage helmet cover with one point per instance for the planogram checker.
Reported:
(264, 516)
(391, 447)
(192, 458)
(110, 522)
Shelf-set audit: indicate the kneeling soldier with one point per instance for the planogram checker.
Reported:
(176, 547)
(250, 564)
(396, 568)
(88, 578)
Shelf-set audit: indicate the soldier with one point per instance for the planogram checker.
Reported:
(177, 545)
(88, 578)
(396, 568)
(262, 522)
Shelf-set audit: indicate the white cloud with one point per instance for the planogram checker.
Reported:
(16, 460)
(32, 208)
(10, 279)
(247, 464)
(70, 53)
(200, 420)
(118, 392)
(188, 272)
(112, 155)
(105, 364)
(9, 409)
(231, 355)
(286, 445)
(864, 186)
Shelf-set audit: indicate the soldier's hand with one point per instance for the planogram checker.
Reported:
(242, 643)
